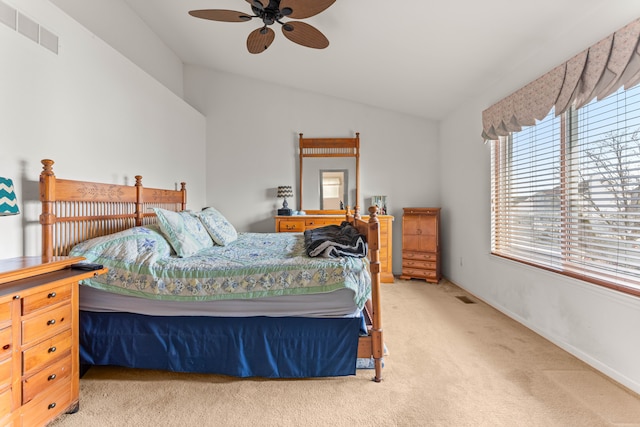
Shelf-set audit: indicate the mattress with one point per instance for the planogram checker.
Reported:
(335, 304)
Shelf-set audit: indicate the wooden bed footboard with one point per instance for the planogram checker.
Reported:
(75, 211)
(372, 345)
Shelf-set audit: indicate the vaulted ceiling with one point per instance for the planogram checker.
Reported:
(417, 57)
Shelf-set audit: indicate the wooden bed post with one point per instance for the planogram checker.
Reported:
(300, 177)
(376, 326)
(183, 189)
(139, 201)
(357, 156)
(47, 197)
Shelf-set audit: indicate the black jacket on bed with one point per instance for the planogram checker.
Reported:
(333, 241)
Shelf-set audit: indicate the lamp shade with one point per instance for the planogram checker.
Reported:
(8, 201)
(285, 191)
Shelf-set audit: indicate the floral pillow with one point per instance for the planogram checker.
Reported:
(135, 246)
(221, 230)
(184, 231)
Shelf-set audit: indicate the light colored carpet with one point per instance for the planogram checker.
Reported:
(449, 364)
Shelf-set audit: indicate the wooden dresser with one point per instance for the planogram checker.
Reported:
(300, 223)
(421, 244)
(39, 364)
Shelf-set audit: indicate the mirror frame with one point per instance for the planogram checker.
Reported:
(330, 147)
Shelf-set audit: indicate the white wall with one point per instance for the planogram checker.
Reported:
(252, 139)
(92, 111)
(115, 23)
(597, 325)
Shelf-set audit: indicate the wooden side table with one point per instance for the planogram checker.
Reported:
(39, 361)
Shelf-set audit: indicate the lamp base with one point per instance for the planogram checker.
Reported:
(284, 212)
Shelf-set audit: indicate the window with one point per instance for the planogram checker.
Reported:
(566, 193)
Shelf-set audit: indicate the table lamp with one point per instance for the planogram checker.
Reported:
(285, 191)
(8, 201)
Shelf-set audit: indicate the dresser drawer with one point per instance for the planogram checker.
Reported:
(46, 298)
(5, 343)
(5, 312)
(419, 256)
(413, 272)
(46, 324)
(422, 265)
(5, 403)
(5, 373)
(45, 379)
(315, 222)
(291, 226)
(47, 406)
(46, 352)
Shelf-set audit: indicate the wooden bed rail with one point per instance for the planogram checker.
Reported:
(74, 211)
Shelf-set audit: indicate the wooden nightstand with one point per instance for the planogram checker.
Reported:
(39, 364)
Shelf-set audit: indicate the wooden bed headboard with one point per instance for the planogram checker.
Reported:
(74, 211)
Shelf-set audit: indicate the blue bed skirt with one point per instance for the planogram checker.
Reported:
(270, 347)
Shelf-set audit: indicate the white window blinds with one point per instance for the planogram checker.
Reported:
(566, 192)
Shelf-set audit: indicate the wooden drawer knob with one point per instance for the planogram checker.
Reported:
(51, 405)
(51, 295)
(51, 377)
(52, 349)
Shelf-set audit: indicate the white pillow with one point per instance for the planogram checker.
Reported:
(221, 230)
(184, 232)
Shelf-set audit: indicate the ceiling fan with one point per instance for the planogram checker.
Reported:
(270, 12)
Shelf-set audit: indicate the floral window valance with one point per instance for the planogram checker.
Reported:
(593, 73)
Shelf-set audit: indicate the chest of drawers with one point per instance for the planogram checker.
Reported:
(421, 244)
(39, 367)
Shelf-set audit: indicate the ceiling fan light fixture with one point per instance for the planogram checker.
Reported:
(270, 12)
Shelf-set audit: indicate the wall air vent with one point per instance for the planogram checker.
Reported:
(29, 28)
(48, 40)
(8, 15)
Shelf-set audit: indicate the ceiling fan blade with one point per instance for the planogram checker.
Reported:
(301, 9)
(257, 3)
(304, 34)
(260, 39)
(221, 15)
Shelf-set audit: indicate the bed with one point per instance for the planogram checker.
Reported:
(291, 331)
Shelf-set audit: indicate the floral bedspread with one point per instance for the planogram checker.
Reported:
(141, 263)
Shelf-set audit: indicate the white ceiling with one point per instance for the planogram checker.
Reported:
(418, 57)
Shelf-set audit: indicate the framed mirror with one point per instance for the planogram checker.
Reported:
(339, 160)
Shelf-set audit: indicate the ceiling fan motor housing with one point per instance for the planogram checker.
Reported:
(272, 13)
